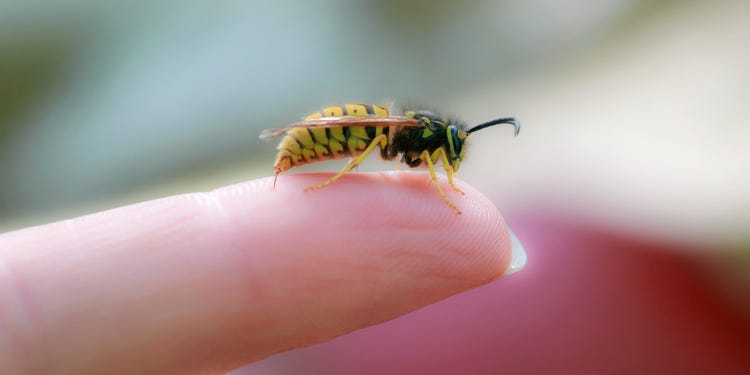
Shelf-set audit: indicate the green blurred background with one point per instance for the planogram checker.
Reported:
(631, 108)
(634, 112)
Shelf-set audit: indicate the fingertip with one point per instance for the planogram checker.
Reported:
(385, 208)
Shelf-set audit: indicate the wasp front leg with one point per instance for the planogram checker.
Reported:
(428, 159)
(440, 154)
(379, 140)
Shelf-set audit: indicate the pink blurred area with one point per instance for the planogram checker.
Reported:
(588, 302)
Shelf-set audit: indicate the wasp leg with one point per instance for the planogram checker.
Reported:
(425, 155)
(381, 139)
(440, 153)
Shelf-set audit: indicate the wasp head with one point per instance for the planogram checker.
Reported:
(443, 132)
(450, 134)
(456, 137)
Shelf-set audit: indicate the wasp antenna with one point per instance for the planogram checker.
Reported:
(505, 120)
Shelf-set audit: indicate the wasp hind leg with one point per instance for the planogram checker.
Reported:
(440, 154)
(428, 159)
(379, 140)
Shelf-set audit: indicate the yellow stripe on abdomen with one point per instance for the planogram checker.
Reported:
(358, 132)
(333, 111)
(380, 110)
(356, 110)
(302, 145)
(350, 109)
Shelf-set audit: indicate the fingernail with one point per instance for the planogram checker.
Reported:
(517, 255)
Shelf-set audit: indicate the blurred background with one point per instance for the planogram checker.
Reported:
(629, 184)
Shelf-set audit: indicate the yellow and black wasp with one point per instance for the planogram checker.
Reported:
(356, 130)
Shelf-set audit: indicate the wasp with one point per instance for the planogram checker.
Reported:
(356, 130)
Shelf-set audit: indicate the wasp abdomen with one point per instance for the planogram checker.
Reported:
(303, 145)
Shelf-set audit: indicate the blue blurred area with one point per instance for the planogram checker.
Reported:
(110, 98)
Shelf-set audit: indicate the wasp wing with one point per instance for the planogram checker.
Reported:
(343, 121)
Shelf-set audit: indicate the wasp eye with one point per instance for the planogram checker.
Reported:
(456, 142)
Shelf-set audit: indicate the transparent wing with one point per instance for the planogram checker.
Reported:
(328, 122)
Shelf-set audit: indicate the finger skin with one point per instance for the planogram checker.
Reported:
(211, 281)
